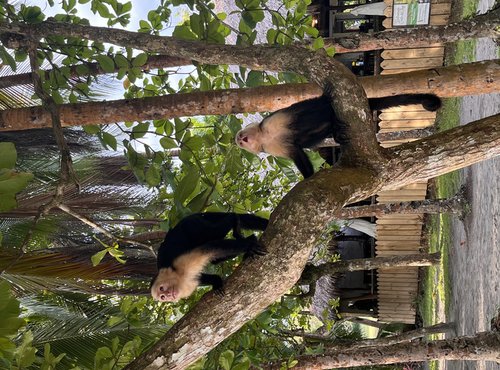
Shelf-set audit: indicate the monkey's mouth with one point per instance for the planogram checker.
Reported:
(168, 295)
(241, 139)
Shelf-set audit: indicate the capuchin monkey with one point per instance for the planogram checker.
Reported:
(194, 242)
(286, 132)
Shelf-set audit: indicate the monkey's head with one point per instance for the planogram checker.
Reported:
(165, 286)
(271, 136)
(250, 139)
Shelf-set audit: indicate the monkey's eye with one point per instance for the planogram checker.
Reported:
(162, 297)
(161, 288)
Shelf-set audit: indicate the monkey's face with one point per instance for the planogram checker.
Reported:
(165, 286)
(250, 138)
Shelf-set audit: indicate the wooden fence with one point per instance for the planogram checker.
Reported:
(401, 234)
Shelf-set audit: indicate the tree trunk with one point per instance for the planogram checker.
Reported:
(461, 80)
(480, 347)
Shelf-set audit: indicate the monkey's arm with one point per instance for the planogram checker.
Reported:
(302, 162)
(214, 280)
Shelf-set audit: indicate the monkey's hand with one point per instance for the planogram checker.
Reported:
(254, 247)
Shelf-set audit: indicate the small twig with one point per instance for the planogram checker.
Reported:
(91, 223)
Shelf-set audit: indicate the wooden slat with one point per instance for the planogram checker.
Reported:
(413, 53)
(441, 8)
(401, 70)
(435, 20)
(426, 62)
(411, 124)
(387, 116)
(388, 253)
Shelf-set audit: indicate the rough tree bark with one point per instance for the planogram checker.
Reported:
(296, 224)
(466, 79)
(455, 205)
(485, 25)
(312, 273)
(482, 346)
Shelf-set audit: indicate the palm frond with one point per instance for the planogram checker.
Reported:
(78, 329)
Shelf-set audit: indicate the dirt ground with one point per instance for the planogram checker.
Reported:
(475, 254)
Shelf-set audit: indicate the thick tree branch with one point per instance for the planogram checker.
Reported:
(456, 205)
(337, 344)
(482, 346)
(312, 273)
(461, 80)
(484, 25)
(443, 152)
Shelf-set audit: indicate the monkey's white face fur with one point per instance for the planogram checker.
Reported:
(179, 282)
(269, 136)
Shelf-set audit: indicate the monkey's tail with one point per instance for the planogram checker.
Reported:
(430, 102)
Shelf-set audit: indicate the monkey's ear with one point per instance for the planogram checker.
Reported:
(302, 162)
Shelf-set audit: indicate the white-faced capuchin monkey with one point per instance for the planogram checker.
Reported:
(286, 132)
(194, 242)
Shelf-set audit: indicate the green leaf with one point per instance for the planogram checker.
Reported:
(318, 43)
(168, 143)
(196, 204)
(330, 51)
(153, 176)
(91, 129)
(15, 182)
(312, 31)
(255, 78)
(97, 258)
(106, 63)
(226, 359)
(184, 32)
(8, 155)
(187, 185)
(244, 364)
(121, 61)
(7, 202)
(109, 140)
(140, 60)
(7, 58)
(140, 130)
(25, 353)
(113, 320)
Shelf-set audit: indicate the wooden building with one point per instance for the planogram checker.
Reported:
(396, 234)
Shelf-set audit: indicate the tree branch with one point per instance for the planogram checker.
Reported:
(443, 152)
(482, 346)
(312, 273)
(484, 25)
(461, 80)
(456, 205)
(91, 223)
